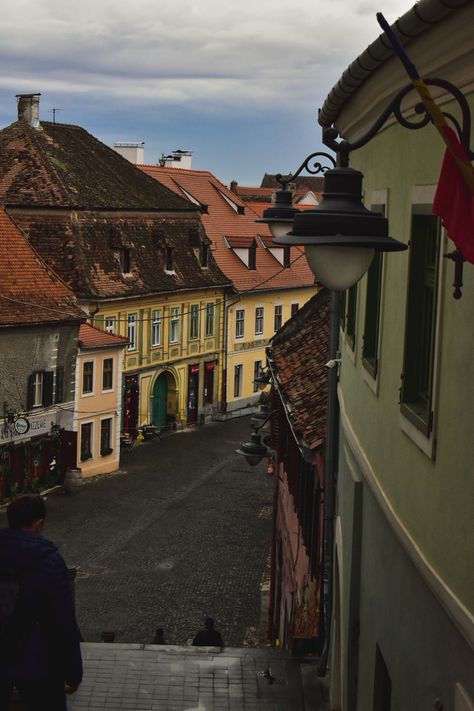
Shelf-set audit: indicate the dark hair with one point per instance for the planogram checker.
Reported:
(25, 510)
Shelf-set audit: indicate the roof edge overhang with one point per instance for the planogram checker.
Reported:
(420, 18)
(302, 446)
(75, 320)
(80, 208)
(126, 297)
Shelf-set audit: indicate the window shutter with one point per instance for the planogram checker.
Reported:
(47, 388)
(31, 394)
(60, 384)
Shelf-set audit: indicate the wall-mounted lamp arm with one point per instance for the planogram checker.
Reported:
(310, 165)
(343, 148)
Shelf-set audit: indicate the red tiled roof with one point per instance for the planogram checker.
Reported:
(92, 337)
(302, 183)
(222, 219)
(242, 241)
(299, 353)
(260, 193)
(30, 292)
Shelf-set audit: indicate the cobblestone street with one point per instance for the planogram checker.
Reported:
(183, 531)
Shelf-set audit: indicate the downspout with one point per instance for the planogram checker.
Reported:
(330, 479)
(225, 330)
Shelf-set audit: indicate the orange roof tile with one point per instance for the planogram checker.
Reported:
(30, 292)
(93, 337)
(227, 214)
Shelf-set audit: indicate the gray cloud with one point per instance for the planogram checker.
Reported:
(188, 51)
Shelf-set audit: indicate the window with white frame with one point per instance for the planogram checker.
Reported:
(258, 320)
(416, 395)
(37, 389)
(40, 389)
(194, 321)
(88, 377)
(210, 319)
(86, 440)
(156, 327)
(106, 436)
(238, 380)
(174, 324)
(278, 319)
(257, 371)
(132, 332)
(239, 323)
(111, 324)
(108, 374)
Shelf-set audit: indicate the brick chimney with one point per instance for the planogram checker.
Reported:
(28, 109)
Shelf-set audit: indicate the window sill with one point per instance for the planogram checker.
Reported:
(86, 458)
(370, 376)
(423, 442)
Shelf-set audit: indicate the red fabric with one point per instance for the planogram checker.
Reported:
(454, 200)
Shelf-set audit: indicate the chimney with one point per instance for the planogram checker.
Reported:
(28, 109)
(132, 151)
(177, 159)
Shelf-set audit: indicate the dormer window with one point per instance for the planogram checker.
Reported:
(253, 257)
(204, 255)
(281, 253)
(245, 248)
(125, 260)
(169, 259)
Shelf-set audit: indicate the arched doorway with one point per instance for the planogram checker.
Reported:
(164, 399)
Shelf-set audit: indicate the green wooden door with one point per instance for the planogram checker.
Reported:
(160, 398)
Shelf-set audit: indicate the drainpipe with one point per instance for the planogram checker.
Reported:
(330, 479)
(223, 407)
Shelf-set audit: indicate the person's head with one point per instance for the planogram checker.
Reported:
(209, 623)
(27, 513)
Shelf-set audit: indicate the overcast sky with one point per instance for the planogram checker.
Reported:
(237, 83)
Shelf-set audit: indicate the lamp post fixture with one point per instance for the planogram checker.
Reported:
(340, 236)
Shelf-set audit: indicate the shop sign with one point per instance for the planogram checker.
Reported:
(25, 428)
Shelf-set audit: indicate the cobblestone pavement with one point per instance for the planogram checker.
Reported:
(187, 679)
(182, 532)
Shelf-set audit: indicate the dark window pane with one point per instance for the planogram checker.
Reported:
(417, 381)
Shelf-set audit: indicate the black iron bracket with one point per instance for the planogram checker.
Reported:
(343, 148)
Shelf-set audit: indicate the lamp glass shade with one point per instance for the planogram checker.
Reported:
(279, 228)
(337, 267)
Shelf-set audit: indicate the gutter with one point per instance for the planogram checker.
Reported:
(420, 18)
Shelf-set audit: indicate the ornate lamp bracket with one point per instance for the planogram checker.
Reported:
(311, 165)
(343, 148)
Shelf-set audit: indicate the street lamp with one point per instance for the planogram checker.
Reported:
(340, 235)
(254, 451)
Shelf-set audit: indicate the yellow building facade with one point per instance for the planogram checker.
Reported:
(173, 363)
(253, 320)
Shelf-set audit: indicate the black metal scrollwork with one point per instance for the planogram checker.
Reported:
(311, 165)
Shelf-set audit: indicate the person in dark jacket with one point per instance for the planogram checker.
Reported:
(46, 663)
(208, 637)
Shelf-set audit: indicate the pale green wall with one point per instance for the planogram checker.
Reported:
(434, 499)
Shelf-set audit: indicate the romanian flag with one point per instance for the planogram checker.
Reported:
(454, 199)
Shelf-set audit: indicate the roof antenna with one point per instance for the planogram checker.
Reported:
(53, 111)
